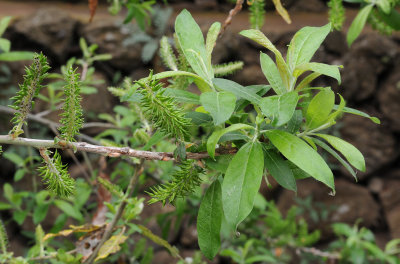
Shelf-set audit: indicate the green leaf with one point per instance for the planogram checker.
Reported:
(279, 108)
(241, 183)
(261, 39)
(319, 108)
(392, 19)
(192, 43)
(198, 118)
(14, 158)
(214, 138)
(351, 153)
(358, 24)
(5, 206)
(212, 36)
(68, 209)
(305, 43)
(219, 104)
(307, 80)
(5, 45)
(39, 213)
(359, 113)
(19, 174)
(280, 170)
(16, 56)
(19, 216)
(320, 68)
(336, 155)
(384, 5)
(182, 96)
(209, 221)
(271, 72)
(302, 155)
(295, 122)
(237, 89)
(4, 24)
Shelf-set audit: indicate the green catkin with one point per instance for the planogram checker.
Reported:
(167, 55)
(184, 181)
(72, 119)
(257, 13)
(163, 110)
(3, 239)
(336, 14)
(24, 100)
(55, 175)
(222, 70)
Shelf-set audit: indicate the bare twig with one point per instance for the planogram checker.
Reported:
(232, 13)
(319, 253)
(52, 255)
(110, 227)
(103, 150)
(54, 125)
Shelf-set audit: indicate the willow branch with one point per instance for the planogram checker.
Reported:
(103, 150)
(232, 13)
(319, 253)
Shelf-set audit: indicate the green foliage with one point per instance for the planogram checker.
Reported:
(257, 13)
(23, 101)
(382, 15)
(72, 119)
(357, 245)
(150, 39)
(184, 181)
(138, 10)
(5, 45)
(55, 175)
(162, 110)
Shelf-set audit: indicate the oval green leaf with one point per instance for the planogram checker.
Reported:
(279, 108)
(319, 108)
(302, 155)
(242, 182)
(358, 24)
(219, 104)
(237, 89)
(209, 221)
(351, 153)
(280, 170)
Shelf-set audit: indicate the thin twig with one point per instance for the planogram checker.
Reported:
(110, 227)
(107, 151)
(232, 13)
(52, 255)
(52, 125)
(319, 253)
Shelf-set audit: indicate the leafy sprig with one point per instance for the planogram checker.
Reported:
(162, 110)
(72, 119)
(183, 183)
(55, 174)
(23, 101)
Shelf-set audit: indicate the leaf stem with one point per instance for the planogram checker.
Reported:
(109, 230)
